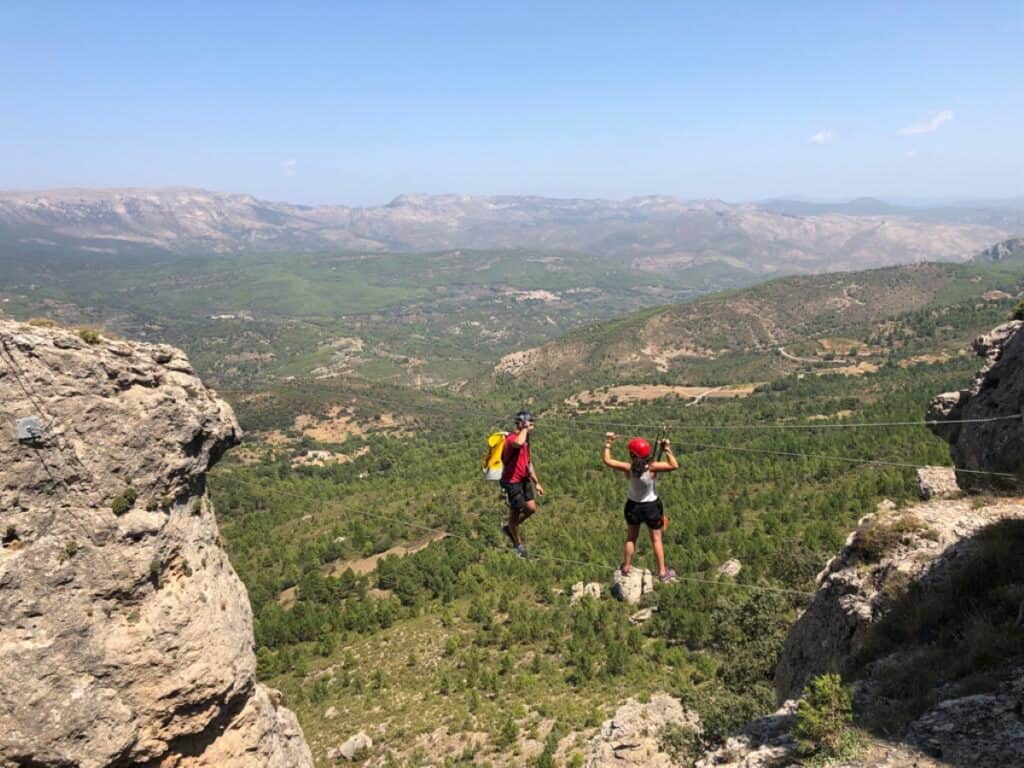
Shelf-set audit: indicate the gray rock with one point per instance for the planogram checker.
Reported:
(937, 483)
(730, 568)
(353, 748)
(631, 739)
(124, 638)
(632, 587)
(641, 616)
(581, 590)
(997, 393)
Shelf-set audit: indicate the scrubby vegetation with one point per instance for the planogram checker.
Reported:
(824, 717)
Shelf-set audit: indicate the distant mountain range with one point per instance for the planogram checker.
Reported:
(653, 233)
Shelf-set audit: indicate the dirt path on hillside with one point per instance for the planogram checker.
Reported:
(365, 565)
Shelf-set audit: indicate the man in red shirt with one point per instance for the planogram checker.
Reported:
(518, 479)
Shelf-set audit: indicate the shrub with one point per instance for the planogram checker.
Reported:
(1018, 311)
(508, 734)
(682, 744)
(125, 501)
(89, 335)
(42, 322)
(824, 715)
(876, 539)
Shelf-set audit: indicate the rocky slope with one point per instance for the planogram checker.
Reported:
(125, 635)
(655, 232)
(997, 394)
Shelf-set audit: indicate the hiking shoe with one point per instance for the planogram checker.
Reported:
(508, 532)
(668, 576)
(624, 570)
(520, 550)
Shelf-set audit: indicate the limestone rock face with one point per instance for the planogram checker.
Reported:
(631, 587)
(997, 393)
(852, 594)
(937, 483)
(631, 739)
(125, 635)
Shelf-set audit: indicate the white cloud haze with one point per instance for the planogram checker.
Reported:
(821, 137)
(928, 125)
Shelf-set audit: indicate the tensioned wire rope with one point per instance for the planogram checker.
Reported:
(689, 577)
(798, 454)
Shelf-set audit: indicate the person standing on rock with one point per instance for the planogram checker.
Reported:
(643, 505)
(519, 479)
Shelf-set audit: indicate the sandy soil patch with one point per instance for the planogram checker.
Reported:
(942, 357)
(859, 369)
(996, 295)
(340, 425)
(828, 416)
(634, 393)
(545, 296)
(323, 458)
(365, 565)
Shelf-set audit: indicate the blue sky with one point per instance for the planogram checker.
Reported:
(358, 102)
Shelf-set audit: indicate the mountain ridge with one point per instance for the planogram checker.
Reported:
(654, 232)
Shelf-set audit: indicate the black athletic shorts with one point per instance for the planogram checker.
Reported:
(650, 512)
(517, 494)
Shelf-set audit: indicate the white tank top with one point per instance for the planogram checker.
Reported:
(642, 488)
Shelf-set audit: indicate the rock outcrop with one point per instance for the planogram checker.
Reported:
(631, 587)
(997, 394)
(762, 743)
(581, 590)
(125, 635)
(633, 737)
(937, 483)
(855, 588)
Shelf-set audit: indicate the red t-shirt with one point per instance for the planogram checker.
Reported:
(516, 459)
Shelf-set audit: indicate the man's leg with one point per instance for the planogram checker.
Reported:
(513, 525)
(659, 550)
(632, 531)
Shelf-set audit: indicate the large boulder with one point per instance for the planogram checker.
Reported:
(629, 588)
(125, 635)
(997, 396)
(632, 738)
(937, 483)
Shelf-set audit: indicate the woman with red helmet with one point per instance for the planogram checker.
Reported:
(643, 506)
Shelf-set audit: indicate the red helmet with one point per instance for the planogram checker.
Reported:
(640, 448)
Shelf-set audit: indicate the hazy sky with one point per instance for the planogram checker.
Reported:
(357, 102)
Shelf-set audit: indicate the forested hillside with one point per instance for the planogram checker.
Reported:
(485, 660)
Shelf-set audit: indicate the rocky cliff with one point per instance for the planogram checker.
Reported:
(125, 635)
(997, 394)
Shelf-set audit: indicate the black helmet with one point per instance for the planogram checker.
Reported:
(524, 417)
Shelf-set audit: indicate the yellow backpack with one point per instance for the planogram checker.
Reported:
(492, 459)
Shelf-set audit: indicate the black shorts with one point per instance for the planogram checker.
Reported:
(517, 494)
(650, 512)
